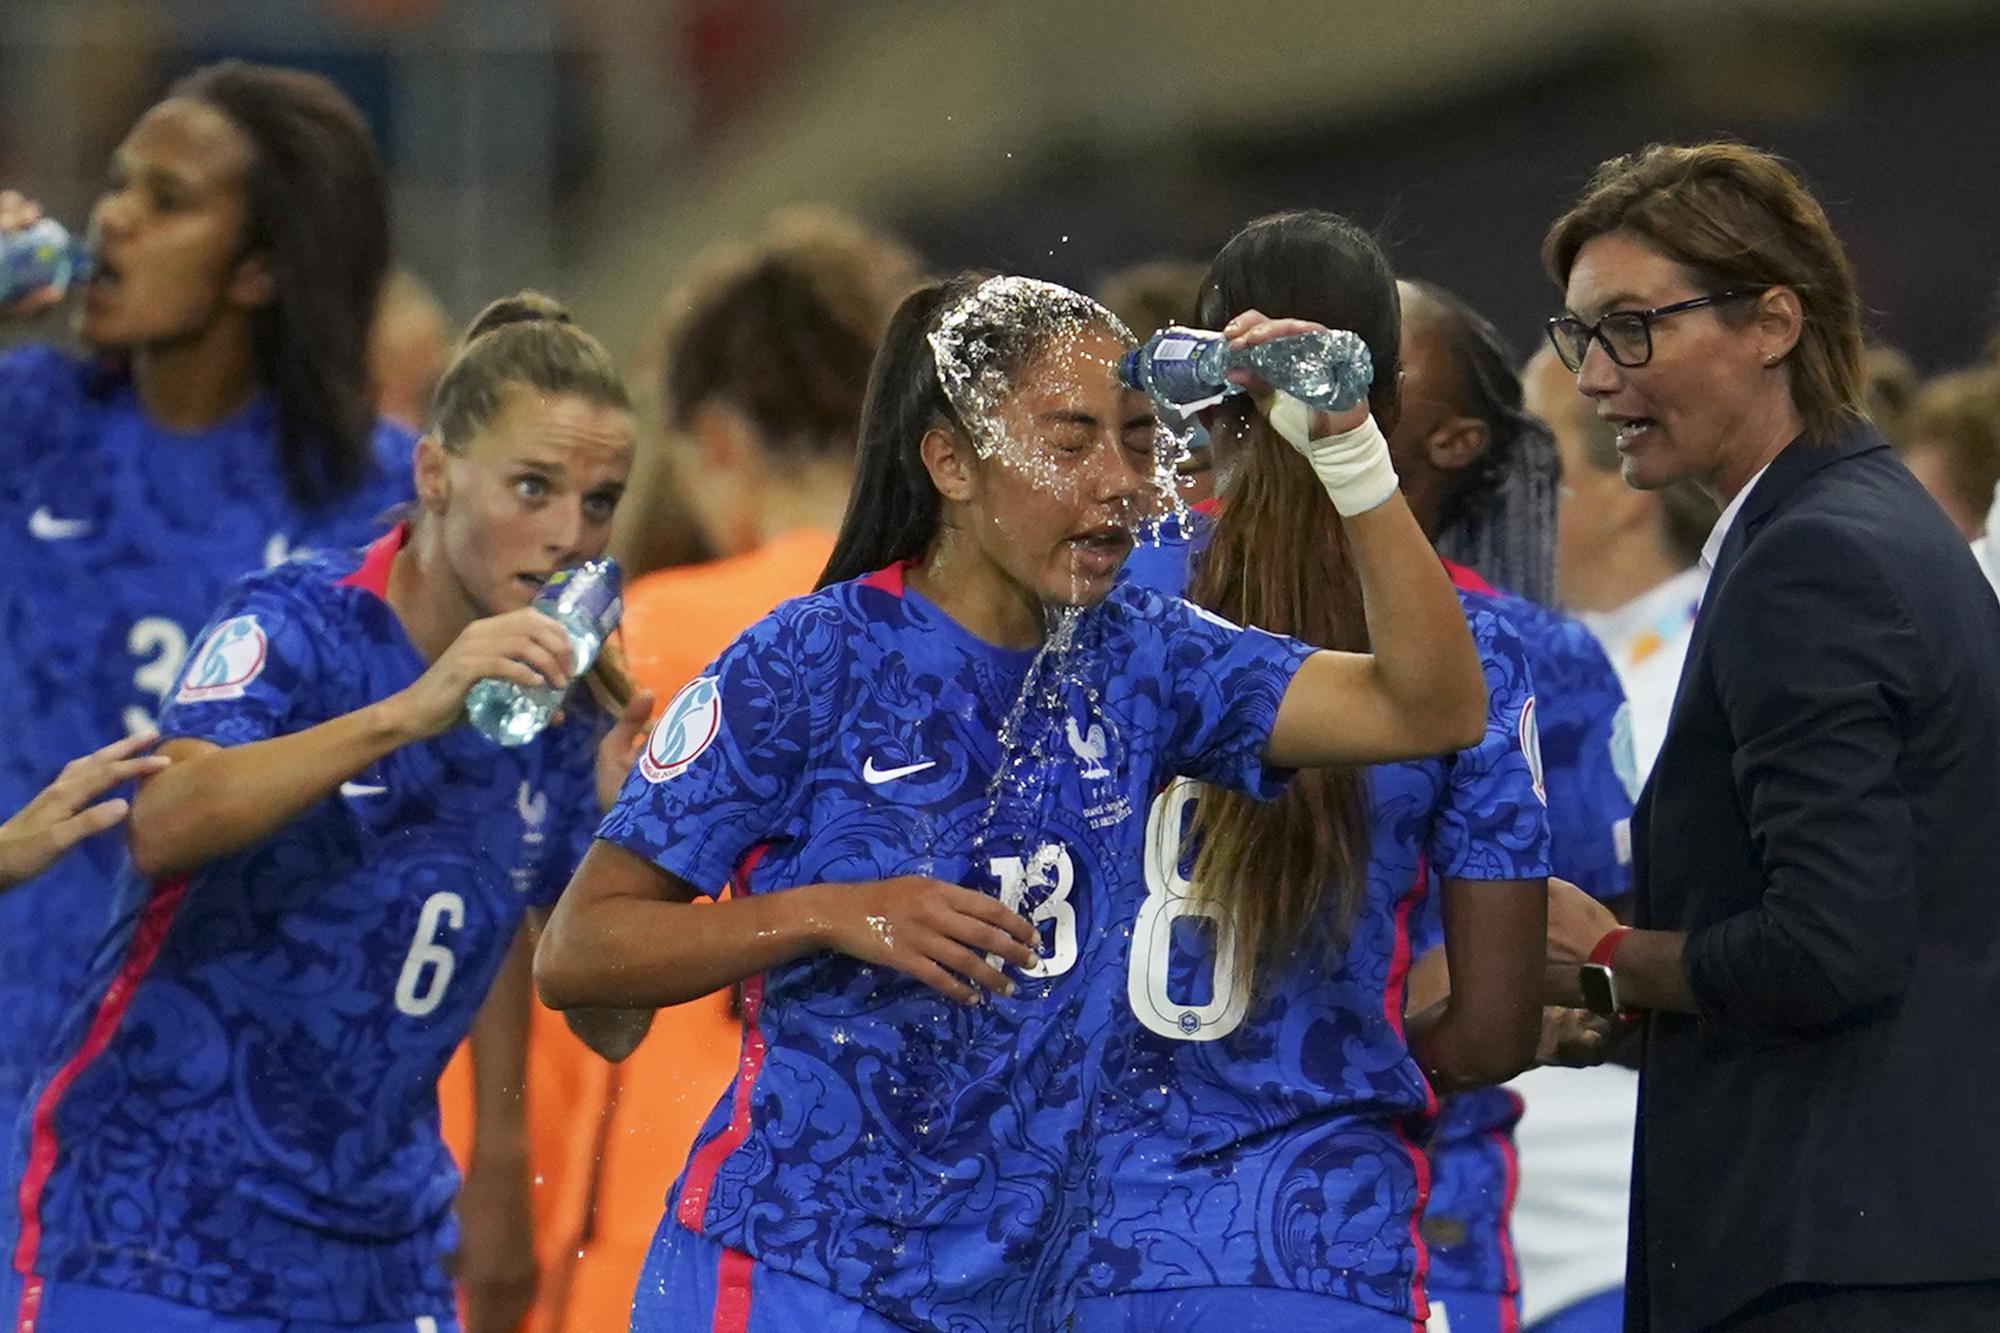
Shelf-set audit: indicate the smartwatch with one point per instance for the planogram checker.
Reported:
(1595, 978)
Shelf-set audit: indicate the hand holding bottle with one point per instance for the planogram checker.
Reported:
(19, 214)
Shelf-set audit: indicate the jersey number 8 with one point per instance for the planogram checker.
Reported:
(1169, 900)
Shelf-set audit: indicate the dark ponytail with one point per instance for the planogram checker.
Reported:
(893, 511)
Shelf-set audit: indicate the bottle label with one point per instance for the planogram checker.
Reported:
(590, 591)
(1174, 372)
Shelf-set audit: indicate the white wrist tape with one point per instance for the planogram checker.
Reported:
(1353, 465)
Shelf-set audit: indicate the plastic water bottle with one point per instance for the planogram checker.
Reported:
(1188, 369)
(43, 255)
(585, 602)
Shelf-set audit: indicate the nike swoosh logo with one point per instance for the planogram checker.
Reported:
(47, 527)
(875, 777)
(352, 789)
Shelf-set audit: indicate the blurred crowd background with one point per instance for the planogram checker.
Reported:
(590, 147)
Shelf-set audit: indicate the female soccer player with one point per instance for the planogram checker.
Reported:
(926, 780)
(222, 420)
(242, 1132)
(1259, 1161)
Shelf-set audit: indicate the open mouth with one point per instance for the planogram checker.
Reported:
(532, 582)
(1101, 550)
(1630, 430)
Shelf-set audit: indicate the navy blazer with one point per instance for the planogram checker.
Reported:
(1824, 821)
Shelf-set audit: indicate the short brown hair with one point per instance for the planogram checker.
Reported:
(785, 330)
(1737, 217)
(1959, 415)
(1150, 296)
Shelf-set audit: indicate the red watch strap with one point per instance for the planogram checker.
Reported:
(1601, 955)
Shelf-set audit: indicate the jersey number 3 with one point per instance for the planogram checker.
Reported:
(1169, 900)
(427, 969)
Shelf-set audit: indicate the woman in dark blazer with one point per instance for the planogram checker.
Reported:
(1818, 853)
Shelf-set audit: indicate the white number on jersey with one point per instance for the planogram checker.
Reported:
(1168, 900)
(1050, 869)
(427, 970)
(163, 646)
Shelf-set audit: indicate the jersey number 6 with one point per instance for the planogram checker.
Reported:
(428, 968)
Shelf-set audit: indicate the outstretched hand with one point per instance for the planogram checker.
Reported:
(63, 814)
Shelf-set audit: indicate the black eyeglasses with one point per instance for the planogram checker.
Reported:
(1627, 335)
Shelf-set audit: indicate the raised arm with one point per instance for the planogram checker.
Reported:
(1419, 691)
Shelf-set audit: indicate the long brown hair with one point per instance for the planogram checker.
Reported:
(1288, 876)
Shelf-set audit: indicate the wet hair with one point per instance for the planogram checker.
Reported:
(785, 332)
(989, 329)
(318, 214)
(1500, 514)
(1735, 217)
(521, 341)
(1288, 877)
(528, 341)
(1959, 416)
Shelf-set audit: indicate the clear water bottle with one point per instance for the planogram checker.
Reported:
(585, 602)
(1188, 369)
(44, 255)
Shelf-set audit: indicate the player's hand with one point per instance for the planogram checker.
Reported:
(938, 933)
(1576, 1038)
(495, 1263)
(17, 213)
(1253, 327)
(523, 646)
(62, 815)
(619, 749)
(1577, 922)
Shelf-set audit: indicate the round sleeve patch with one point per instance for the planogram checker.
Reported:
(690, 725)
(230, 658)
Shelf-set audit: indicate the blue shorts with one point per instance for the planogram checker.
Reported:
(75, 1307)
(691, 1284)
(1602, 1313)
(1233, 1310)
(1473, 1312)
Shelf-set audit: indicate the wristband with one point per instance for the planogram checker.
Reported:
(1353, 466)
(1601, 955)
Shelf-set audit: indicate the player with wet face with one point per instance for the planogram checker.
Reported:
(925, 784)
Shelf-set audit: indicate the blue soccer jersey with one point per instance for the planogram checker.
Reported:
(914, 1155)
(1579, 705)
(1275, 1140)
(118, 538)
(240, 1114)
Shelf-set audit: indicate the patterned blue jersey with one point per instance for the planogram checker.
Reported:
(117, 540)
(1276, 1141)
(1581, 706)
(915, 1155)
(244, 1118)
